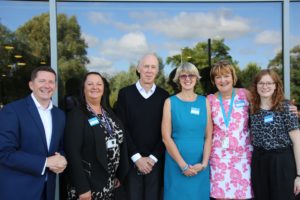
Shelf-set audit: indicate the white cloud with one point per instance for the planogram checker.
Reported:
(220, 23)
(147, 15)
(130, 46)
(276, 50)
(127, 27)
(186, 25)
(99, 18)
(101, 65)
(268, 37)
(294, 40)
(91, 40)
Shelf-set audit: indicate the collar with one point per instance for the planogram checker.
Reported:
(141, 89)
(39, 106)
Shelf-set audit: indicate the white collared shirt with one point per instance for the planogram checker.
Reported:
(46, 117)
(143, 92)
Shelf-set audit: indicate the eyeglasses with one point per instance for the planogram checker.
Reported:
(185, 76)
(268, 84)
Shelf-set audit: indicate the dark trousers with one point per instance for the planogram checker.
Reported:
(44, 193)
(145, 187)
(273, 174)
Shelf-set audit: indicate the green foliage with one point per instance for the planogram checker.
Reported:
(122, 79)
(13, 78)
(276, 64)
(198, 55)
(295, 74)
(32, 41)
(247, 75)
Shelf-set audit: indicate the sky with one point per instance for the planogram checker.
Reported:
(118, 34)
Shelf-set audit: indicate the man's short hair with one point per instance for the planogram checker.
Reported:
(39, 69)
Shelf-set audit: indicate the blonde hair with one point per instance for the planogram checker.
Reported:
(188, 68)
(222, 67)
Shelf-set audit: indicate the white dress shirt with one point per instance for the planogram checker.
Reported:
(46, 117)
(143, 92)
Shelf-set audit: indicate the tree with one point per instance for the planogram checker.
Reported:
(276, 64)
(295, 74)
(248, 74)
(198, 55)
(122, 79)
(71, 47)
(12, 74)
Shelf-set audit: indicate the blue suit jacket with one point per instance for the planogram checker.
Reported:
(23, 150)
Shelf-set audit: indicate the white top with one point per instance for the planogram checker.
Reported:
(46, 117)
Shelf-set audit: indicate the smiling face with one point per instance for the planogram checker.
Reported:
(224, 82)
(43, 87)
(148, 69)
(223, 76)
(93, 88)
(266, 86)
(187, 80)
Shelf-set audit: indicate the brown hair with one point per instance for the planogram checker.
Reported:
(41, 69)
(222, 67)
(277, 97)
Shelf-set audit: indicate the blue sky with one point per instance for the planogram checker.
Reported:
(118, 34)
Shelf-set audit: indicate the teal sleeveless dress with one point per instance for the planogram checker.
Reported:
(188, 132)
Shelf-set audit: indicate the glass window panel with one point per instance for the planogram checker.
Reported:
(116, 35)
(295, 51)
(24, 45)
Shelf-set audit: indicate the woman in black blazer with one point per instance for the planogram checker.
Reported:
(94, 144)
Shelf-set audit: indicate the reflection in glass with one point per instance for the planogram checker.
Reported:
(117, 34)
(295, 51)
(24, 40)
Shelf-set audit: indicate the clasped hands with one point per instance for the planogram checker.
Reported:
(56, 163)
(145, 165)
(193, 170)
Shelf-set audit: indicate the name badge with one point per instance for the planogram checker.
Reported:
(93, 121)
(195, 111)
(225, 143)
(268, 118)
(240, 103)
(111, 143)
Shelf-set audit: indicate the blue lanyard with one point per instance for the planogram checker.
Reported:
(227, 118)
(107, 123)
(108, 127)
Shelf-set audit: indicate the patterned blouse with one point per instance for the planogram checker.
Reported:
(270, 129)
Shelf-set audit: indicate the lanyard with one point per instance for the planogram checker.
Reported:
(226, 118)
(107, 124)
(108, 127)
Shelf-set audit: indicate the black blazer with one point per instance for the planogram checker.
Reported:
(85, 149)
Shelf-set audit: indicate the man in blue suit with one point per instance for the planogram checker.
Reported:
(31, 132)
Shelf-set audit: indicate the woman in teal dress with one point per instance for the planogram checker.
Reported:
(187, 135)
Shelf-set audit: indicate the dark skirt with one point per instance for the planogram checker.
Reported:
(273, 174)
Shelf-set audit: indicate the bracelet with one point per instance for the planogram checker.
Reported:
(185, 168)
(204, 166)
(297, 175)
